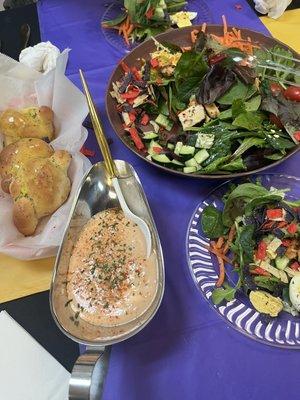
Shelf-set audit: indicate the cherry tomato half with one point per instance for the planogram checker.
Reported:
(276, 88)
(292, 93)
(297, 135)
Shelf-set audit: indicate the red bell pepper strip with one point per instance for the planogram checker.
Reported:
(131, 94)
(137, 74)
(259, 271)
(132, 116)
(136, 139)
(261, 250)
(274, 213)
(157, 150)
(154, 62)
(145, 119)
(87, 152)
(297, 135)
(149, 14)
(124, 66)
(292, 228)
(295, 266)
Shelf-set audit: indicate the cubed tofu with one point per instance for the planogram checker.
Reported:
(191, 116)
(273, 246)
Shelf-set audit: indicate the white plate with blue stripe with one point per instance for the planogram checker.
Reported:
(283, 331)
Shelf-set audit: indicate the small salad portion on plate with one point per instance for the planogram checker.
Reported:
(142, 19)
(205, 109)
(242, 246)
(257, 234)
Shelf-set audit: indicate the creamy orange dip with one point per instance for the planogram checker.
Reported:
(109, 280)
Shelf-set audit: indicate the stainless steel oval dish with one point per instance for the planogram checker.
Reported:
(96, 194)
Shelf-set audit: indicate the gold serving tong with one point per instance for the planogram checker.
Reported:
(111, 167)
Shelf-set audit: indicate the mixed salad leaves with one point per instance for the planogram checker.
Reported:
(258, 233)
(142, 19)
(198, 110)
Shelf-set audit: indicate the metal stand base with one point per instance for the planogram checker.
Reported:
(88, 375)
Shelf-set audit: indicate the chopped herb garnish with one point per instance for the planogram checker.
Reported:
(68, 302)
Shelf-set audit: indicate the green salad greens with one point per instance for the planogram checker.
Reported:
(204, 109)
(257, 233)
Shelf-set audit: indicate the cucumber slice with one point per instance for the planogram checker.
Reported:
(187, 150)
(150, 136)
(164, 121)
(281, 262)
(176, 165)
(171, 146)
(189, 170)
(152, 144)
(161, 158)
(191, 163)
(178, 148)
(201, 156)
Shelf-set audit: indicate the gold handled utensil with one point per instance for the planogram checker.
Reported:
(111, 167)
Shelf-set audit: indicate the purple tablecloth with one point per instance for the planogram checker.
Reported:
(187, 351)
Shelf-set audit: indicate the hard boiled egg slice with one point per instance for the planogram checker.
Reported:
(295, 291)
(183, 18)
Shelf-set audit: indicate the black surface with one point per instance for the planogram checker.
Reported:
(10, 24)
(33, 314)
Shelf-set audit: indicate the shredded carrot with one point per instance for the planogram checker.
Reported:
(220, 242)
(216, 248)
(221, 278)
(235, 31)
(203, 28)
(217, 253)
(125, 36)
(194, 34)
(250, 45)
(130, 29)
(120, 29)
(217, 38)
(234, 38)
(230, 239)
